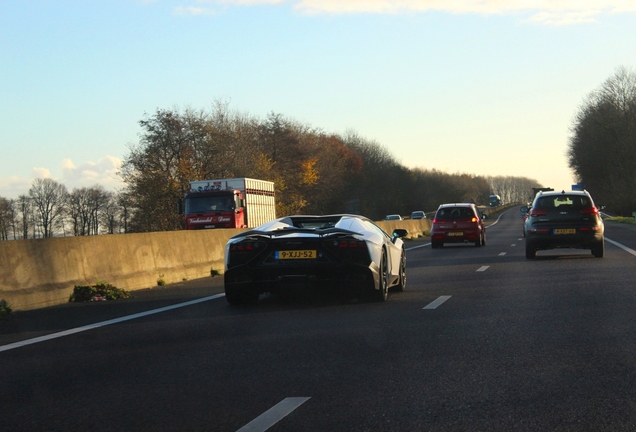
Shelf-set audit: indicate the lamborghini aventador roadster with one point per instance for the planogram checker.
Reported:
(335, 253)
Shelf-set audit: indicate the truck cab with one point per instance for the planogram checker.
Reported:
(209, 209)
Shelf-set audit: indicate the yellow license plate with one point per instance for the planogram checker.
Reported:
(296, 254)
(455, 234)
(565, 231)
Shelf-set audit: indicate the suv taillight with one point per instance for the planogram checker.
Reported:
(538, 212)
(589, 211)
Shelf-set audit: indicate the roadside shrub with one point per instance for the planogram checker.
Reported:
(215, 272)
(622, 219)
(161, 281)
(5, 310)
(99, 292)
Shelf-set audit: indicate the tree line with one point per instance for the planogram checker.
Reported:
(49, 210)
(602, 148)
(314, 172)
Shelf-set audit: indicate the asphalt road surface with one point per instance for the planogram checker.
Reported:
(482, 339)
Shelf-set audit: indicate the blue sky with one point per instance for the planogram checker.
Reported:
(485, 87)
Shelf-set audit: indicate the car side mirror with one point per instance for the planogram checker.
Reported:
(399, 232)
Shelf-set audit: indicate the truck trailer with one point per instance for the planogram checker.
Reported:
(228, 203)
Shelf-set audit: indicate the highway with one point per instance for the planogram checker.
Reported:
(482, 339)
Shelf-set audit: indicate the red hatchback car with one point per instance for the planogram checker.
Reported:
(458, 223)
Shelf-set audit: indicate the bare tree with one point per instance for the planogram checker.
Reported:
(110, 212)
(24, 215)
(49, 199)
(512, 189)
(7, 218)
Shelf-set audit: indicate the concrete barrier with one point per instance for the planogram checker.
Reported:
(43, 272)
(415, 227)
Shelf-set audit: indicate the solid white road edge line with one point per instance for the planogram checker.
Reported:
(273, 415)
(104, 323)
(625, 248)
(434, 304)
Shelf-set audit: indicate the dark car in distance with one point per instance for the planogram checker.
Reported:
(418, 214)
(458, 223)
(564, 220)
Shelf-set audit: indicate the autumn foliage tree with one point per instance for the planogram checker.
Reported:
(313, 172)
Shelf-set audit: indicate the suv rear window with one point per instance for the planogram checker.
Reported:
(455, 213)
(563, 201)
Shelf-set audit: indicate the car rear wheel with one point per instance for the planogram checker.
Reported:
(530, 252)
(599, 250)
(382, 293)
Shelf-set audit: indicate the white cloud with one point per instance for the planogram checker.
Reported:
(40, 173)
(549, 12)
(12, 187)
(103, 172)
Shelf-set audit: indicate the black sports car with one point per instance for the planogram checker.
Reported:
(348, 253)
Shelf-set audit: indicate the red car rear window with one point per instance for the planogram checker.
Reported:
(455, 213)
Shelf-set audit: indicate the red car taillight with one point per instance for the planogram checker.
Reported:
(474, 220)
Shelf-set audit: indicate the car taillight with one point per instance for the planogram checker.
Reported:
(349, 244)
(592, 228)
(244, 251)
(538, 230)
(474, 220)
(538, 212)
(589, 211)
(245, 246)
(349, 249)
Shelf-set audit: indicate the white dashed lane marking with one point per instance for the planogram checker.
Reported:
(502, 253)
(483, 268)
(436, 303)
(273, 415)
